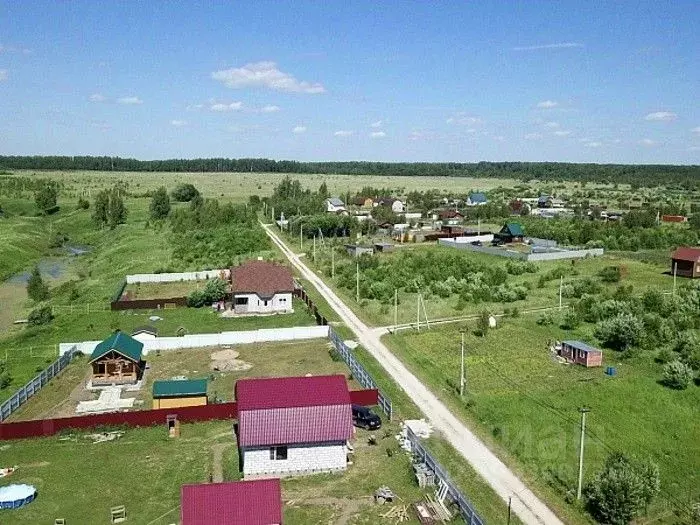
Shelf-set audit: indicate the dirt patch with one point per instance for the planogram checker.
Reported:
(217, 471)
(227, 361)
(347, 508)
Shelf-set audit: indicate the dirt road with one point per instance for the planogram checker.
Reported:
(525, 504)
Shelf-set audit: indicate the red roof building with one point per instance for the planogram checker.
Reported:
(256, 502)
(685, 262)
(261, 287)
(293, 424)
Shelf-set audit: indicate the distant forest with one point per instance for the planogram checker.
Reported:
(686, 177)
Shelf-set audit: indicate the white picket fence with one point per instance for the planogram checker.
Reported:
(264, 335)
(176, 277)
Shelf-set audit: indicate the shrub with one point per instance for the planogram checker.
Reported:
(622, 490)
(570, 321)
(37, 290)
(620, 332)
(545, 319)
(40, 316)
(677, 375)
(160, 204)
(184, 193)
(83, 204)
(610, 274)
(214, 290)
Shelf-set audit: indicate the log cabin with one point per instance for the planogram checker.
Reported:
(117, 361)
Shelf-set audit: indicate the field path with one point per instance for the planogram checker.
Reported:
(530, 509)
(217, 471)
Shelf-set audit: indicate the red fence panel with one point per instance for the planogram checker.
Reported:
(369, 397)
(142, 418)
(146, 304)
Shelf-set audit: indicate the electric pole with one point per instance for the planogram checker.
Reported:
(561, 286)
(357, 282)
(332, 263)
(584, 411)
(675, 272)
(313, 256)
(396, 307)
(462, 379)
(301, 237)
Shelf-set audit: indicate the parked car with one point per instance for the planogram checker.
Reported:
(476, 243)
(363, 417)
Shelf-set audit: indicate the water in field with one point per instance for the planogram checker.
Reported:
(49, 268)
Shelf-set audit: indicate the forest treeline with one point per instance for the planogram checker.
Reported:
(686, 177)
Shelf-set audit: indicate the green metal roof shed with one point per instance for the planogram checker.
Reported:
(122, 344)
(514, 229)
(179, 388)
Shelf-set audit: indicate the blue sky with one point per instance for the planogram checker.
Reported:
(392, 81)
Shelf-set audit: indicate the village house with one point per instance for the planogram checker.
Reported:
(335, 205)
(476, 199)
(685, 262)
(581, 353)
(396, 205)
(511, 232)
(177, 393)
(261, 287)
(144, 333)
(364, 202)
(257, 502)
(293, 425)
(117, 361)
(450, 216)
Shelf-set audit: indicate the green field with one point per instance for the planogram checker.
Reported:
(524, 404)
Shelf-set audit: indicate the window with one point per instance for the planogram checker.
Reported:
(101, 368)
(283, 299)
(278, 453)
(241, 300)
(265, 303)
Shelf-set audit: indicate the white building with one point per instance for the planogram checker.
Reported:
(396, 205)
(293, 425)
(261, 287)
(335, 205)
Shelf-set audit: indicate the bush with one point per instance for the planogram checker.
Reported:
(610, 274)
(677, 375)
(40, 316)
(184, 193)
(622, 490)
(570, 321)
(214, 290)
(37, 290)
(83, 204)
(545, 319)
(620, 332)
(160, 204)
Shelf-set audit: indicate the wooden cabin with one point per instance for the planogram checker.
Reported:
(179, 393)
(117, 361)
(581, 353)
(685, 262)
(511, 232)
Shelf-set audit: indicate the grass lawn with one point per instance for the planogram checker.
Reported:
(524, 404)
(162, 290)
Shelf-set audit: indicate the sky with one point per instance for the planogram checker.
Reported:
(401, 81)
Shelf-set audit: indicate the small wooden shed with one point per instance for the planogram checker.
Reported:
(177, 393)
(511, 232)
(685, 262)
(117, 360)
(581, 354)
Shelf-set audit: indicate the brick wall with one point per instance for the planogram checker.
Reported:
(300, 459)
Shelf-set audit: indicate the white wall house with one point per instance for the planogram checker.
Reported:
(261, 287)
(252, 303)
(293, 425)
(335, 205)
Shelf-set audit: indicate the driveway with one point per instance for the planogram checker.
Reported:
(525, 504)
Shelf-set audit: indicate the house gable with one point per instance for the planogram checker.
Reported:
(120, 343)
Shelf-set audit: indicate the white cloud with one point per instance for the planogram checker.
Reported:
(270, 109)
(299, 129)
(342, 133)
(265, 75)
(696, 130)
(130, 101)
(3, 74)
(178, 123)
(551, 125)
(648, 143)
(97, 97)
(533, 136)
(462, 119)
(694, 148)
(222, 108)
(558, 45)
(499, 138)
(377, 124)
(377, 134)
(547, 104)
(562, 133)
(194, 107)
(593, 144)
(661, 116)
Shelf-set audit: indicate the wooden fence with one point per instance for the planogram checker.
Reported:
(147, 304)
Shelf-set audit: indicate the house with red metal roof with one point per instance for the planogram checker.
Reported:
(256, 502)
(261, 287)
(686, 262)
(293, 425)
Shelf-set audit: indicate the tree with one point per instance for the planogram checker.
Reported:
(117, 211)
(214, 290)
(100, 214)
(37, 290)
(323, 191)
(160, 204)
(694, 221)
(483, 323)
(46, 197)
(622, 490)
(40, 316)
(5, 376)
(677, 375)
(184, 193)
(83, 204)
(620, 332)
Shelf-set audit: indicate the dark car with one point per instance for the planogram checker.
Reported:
(363, 417)
(476, 243)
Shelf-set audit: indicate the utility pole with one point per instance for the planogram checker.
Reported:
(301, 237)
(396, 307)
(584, 411)
(357, 282)
(561, 286)
(332, 263)
(510, 499)
(313, 256)
(675, 272)
(462, 379)
(273, 214)
(418, 312)
(478, 226)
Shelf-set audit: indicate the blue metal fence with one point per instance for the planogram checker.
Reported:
(32, 387)
(465, 507)
(358, 371)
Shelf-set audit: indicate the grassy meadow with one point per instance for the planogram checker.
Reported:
(525, 405)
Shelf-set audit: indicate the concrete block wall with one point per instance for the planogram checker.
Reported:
(325, 457)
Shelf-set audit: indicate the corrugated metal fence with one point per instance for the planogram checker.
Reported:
(175, 277)
(20, 397)
(358, 371)
(465, 507)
